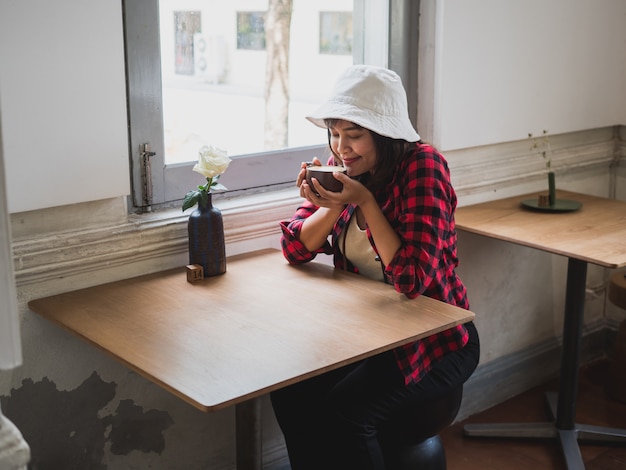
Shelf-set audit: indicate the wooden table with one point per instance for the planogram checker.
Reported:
(262, 325)
(595, 234)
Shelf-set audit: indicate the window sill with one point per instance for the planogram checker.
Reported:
(146, 242)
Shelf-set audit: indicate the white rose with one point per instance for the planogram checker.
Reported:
(211, 162)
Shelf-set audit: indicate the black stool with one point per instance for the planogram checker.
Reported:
(412, 442)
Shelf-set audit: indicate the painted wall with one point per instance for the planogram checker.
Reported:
(80, 409)
(62, 89)
(541, 64)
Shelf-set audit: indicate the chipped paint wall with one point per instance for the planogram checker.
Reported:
(79, 426)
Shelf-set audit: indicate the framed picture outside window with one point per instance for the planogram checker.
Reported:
(251, 30)
(186, 24)
(336, 32)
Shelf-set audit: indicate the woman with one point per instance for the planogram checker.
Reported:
(393, 221)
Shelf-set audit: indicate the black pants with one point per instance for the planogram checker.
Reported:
(331, 421)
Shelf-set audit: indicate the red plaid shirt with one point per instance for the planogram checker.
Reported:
(419, 203)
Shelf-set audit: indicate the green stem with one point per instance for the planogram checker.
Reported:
(207, 186)
(551, 188)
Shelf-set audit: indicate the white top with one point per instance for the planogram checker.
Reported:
(358, 249)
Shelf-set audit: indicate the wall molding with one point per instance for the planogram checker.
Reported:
(161, 236)
(142, 237)
(499, 167)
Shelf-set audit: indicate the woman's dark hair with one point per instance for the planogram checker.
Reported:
(389, 154)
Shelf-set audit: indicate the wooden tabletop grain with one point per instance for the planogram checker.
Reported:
(595, 233)
(258, 327)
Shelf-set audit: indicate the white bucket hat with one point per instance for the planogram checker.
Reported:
(372, 97)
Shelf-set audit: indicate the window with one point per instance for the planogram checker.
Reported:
(186, 25)
(251, 30)
(336, 32)
(200, 79)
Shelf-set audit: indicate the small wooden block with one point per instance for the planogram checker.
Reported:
(195, 272)
(543, 201)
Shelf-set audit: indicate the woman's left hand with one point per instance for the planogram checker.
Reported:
(353, 192)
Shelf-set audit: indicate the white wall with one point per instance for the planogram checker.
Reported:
(62, 89)
(503, 69)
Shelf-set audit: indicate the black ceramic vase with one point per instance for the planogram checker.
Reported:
(206, 239)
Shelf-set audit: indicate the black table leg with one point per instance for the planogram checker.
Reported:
(572, 333)
(563, 409)
(248, 435)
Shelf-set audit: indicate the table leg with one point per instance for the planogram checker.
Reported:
(572, 333)
(248, 435)
(564, 408)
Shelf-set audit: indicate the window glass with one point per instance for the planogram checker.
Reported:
(186, 25)
(336, 32)
(251, 30)
(242, 75)
(217, 62)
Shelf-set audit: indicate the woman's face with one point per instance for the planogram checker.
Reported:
(354, 145)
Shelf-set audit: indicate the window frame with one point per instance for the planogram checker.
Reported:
(259, 171)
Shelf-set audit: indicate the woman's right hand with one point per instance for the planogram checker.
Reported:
(302, 174)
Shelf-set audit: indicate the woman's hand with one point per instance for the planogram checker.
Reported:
(315, 229)
(302, 174)
(386, 239)
(353, 192)
(317, 195)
